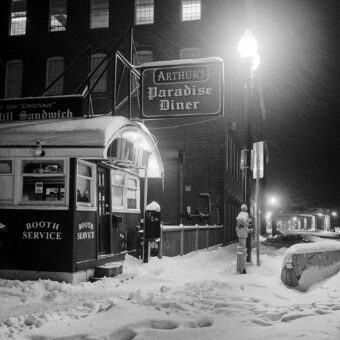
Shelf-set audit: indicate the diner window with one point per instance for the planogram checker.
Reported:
(14, 77)
(125, 192)
(101, 86)
(43, 180)
(144, 12)
(191, 10)
(58, 15)
(190, 53)
(6, 180)
(18, 17)
(118, 181)
(132, 193)
(85, 184)
(99, 13)
(55, 66)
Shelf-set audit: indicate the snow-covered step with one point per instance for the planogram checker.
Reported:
(109, 270)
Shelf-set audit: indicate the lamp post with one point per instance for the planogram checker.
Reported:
(248, 51)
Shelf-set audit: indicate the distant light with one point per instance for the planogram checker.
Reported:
(334, 213)
(319, 214)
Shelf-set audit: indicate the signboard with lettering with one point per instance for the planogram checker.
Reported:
(41, 108)
(175, 89)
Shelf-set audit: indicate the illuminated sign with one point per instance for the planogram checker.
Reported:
(182, 88)
(41, 108)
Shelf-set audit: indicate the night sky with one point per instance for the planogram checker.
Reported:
(299, 71)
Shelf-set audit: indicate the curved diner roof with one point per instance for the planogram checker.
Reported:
(78, 137)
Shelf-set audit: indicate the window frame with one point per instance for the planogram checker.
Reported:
(45, 203)
(51, 90)
(56, 28)
(92, 205)
(149, 9)
(10, 177)
(188, 12)
(19, 87)
(94, 23)
(192, 50)
(17, 30)
(126, 176)
(104, 76)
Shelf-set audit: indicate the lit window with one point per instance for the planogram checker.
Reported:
(14, 76)
(43, 181)
(191, 10)
(6, 180)
(85, 184)
(144, 12)
(190, 53)
(55, 66)
(99, 13)
(118, 180)
(18, 17)
(58, 15)
(125, 191)
(101, 86)
(132, 193)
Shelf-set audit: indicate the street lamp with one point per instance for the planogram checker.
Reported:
(248, 51)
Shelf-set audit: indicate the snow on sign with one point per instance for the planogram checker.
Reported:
(177, 88)
(41, 108)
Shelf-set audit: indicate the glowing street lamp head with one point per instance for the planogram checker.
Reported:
(247, 46)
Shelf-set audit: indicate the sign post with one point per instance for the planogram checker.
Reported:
(258, 172)
(182, 88)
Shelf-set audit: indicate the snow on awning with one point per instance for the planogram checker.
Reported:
(88, 138)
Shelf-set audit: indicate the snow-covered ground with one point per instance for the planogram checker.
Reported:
(197, 296)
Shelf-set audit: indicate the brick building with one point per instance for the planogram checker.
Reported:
(41, 38)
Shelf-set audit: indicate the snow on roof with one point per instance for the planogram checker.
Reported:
(76, 132)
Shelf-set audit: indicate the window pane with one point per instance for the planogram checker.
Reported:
(99, 13)
(117, 196)
(144, 12)
(14, 76)
(132, 199)
(132, 182)
(43, 167)
(83, 189)
(55, 66)
(190, 53)
(101, 85)
(84, 170)
(58, 15)
(118, 179)
(43, 188)
(6, 185)
(18, 17)
(191, 10)
(5, 167)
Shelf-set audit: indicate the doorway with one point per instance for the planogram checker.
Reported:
(103, 209)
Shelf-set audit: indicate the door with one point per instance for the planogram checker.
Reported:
(103, 209)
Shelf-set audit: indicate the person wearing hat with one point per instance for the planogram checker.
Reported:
(242, 221)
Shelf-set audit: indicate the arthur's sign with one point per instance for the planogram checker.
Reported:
(182, 88)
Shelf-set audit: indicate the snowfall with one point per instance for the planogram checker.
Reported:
(196, 296)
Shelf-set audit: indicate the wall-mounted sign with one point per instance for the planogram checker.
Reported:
(41, 108)
(182, 88)
(42, 230)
